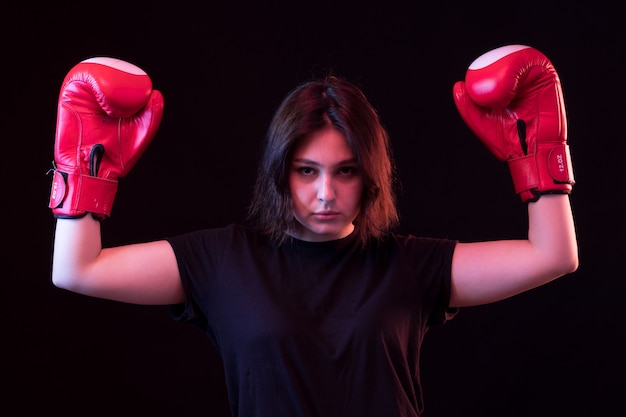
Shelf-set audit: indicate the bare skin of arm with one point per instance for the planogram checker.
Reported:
(482, 272)
(485, 272)
(143, 273)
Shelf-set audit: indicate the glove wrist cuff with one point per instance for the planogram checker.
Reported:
(547, 171)
(74, 195)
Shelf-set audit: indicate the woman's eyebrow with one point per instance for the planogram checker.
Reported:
(312, 162)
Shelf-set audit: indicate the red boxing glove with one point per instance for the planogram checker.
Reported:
(512, 100)
(107, 116)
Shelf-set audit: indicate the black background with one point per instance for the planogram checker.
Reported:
(223, 68)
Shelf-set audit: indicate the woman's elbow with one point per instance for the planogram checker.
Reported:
(66, 280)
(62, 281)
(573, 264)
(567, 264)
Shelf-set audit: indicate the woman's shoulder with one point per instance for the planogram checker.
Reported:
(229, 232)
(409, 241)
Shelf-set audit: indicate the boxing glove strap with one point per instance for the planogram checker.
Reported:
(73, 195)
(548, 170)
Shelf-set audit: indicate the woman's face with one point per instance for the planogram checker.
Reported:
(326, 187)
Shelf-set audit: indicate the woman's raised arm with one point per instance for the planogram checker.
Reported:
(511, 99)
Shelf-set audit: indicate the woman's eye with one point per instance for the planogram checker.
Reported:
(347, 170)
(305, 170)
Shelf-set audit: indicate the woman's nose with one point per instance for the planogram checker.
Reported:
(325, 191)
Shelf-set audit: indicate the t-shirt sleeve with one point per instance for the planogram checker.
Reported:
(432, 263)
(442, 311)
(198, 254)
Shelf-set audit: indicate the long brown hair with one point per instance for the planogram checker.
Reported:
(313, 106)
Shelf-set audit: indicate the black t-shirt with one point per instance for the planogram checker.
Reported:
(318, 329)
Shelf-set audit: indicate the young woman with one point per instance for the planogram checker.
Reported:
(316, 305)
